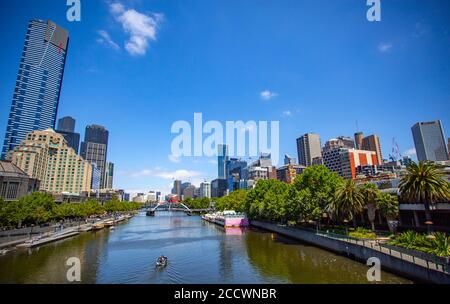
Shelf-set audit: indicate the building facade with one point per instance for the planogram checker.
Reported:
(45, 155)
(359, 140)
(205, 190)
(109, 175)
(66, 127)
(308, 148)
(176, 190)
(288, 173)
(222, 160)
(14, 182)
(39, 79)
(189, 192)
(94, 149)
(429, 140)
(345, 161)
(339, 142)
(372, 143)
(219, 188)
(96, 178)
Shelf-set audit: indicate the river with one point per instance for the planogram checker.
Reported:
(198, 252)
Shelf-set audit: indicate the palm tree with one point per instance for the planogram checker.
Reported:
(348, 201)
(370, 193)
(388, 206)
(424, 183)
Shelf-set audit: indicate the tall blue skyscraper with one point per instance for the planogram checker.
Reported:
(222, 160)
(36, 95)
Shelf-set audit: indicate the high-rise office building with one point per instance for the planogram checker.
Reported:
(189, 192)
(66, 124)
(95, 181)
(109, 175)
(94, 149)
(345, 161)
(372, 143)
(219, 188)
(38, 84)
(359, 140)
(177, 189)
(222, 160)
(66, 127)
(429, 141)
(205, 190)
(308, 148)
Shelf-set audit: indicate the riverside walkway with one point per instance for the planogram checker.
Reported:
(415, 265)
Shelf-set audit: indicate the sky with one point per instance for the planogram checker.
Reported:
(319, 66)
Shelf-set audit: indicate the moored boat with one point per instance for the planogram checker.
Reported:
(109, 223)
(98, 226)
(228, 218)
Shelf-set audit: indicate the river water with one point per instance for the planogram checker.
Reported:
(198, 252)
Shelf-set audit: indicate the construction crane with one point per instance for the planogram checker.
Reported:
(395, 154)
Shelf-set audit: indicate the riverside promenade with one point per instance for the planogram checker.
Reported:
(36, 236)
(410, 265)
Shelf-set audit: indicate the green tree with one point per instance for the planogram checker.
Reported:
(234, 201)
(388, 206)
(424, 183)
(11, 213)
(370, 194)
(348, 201)
(39, 207)
(268, 200)
(312, 192)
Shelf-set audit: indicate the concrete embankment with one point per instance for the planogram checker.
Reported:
(396, 264)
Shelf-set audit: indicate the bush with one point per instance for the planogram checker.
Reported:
(362, 233)
(438, 244)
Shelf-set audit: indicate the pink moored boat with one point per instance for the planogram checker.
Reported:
(228, 218)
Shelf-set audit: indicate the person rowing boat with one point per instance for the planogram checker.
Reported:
(161, 261)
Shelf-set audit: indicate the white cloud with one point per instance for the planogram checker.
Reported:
(268, 95)
(140, 27)
(178, 174)
(384, 47)
(410, 152)
(212, 161)
(106, 39)
(286, 113)
(181, 174)
(174, 159)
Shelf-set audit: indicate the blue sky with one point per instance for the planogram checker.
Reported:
(137, 66)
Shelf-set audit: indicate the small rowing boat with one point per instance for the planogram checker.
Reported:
(161, 262)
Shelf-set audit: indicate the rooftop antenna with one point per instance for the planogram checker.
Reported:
(357, 127)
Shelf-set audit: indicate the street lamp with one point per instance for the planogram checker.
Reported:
(429, 223)
(346, 228)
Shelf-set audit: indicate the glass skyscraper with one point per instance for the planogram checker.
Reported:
(94, 149)
(429, 140)
(66, 127)
(222, 160)
(38, 85)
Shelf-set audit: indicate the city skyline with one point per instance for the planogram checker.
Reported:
(389, 53)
